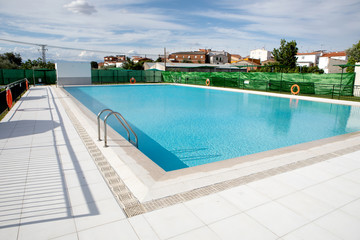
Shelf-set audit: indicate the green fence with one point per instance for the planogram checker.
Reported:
(124, 76)
(48, 76)
(45, 76)
(320, 84)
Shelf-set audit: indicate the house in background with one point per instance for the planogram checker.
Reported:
(202, 56)
(110, 61)
(115, 61)
(261, 54)
(235, 58)
(248, 64)
(308, 59)
(218, 57)
(194, 57)
(137, 59)
(328, 60)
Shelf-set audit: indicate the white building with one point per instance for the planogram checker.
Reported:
(328, 60)
(219, 57)
(261, 54)
(308, 59)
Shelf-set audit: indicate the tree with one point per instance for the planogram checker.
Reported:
(38, 63)
(94, 64)
(353, 54)
(10, 60)
(130, 65)
(286, 54)
(159, 59)
(6, 64)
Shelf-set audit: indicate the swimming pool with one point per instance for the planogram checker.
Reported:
(180, 126)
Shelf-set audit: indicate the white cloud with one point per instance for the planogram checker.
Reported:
(119, 26)
(83, 53)
(80, 6)
(311, 23)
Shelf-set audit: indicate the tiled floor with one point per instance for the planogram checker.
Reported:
(50, 188)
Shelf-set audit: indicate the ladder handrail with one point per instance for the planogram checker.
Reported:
(122, 121)
(98, 121)
(105, 119)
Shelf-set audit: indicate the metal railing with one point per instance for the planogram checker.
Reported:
(122, 121)
(16, 88)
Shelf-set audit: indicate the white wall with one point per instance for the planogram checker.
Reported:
(73, 73)
(357, 81)
(261, 54)
(306, 59)
(324, 63)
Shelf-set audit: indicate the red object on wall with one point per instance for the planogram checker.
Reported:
(9, 99)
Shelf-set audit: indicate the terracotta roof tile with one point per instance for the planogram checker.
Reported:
(334, 54)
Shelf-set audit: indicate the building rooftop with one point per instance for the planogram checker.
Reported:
(334, 54)
(311, 53)
(189, 53)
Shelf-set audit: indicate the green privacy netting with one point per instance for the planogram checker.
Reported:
(124, 76)
(309, 83)
(45, 76)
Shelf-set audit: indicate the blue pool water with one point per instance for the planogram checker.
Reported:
(180, 127)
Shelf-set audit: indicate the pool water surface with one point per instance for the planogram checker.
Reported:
(181, 126)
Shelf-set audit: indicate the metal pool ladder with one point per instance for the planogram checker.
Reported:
(121, 120)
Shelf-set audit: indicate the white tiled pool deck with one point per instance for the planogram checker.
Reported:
(50, 188)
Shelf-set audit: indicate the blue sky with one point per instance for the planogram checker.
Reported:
(145, 27)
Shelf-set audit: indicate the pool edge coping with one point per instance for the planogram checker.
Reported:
(132, 206)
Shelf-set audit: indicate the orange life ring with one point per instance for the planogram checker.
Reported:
(292, 89)
(207, 82)
(27, 84)
(132, 80)
(9, 99)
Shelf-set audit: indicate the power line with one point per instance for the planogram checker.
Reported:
(67, 48)
(27, 43)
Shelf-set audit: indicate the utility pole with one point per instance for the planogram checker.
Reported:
(43, 50)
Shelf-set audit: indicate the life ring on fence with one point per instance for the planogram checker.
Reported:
(292, 89)
(132, 80)
(207, 82)
(9, 99)
(27, 84)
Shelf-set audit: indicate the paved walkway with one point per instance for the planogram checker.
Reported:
(50, 188)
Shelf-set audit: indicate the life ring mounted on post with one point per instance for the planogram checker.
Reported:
(292, 89)
(207, 82)
(132, 80)
(9, 99)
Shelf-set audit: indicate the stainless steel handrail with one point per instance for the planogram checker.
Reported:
(98, 121)
(122, 121)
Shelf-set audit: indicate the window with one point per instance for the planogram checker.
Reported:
(202, 56)
(195, 57)
(176, 56)
(189, 57)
